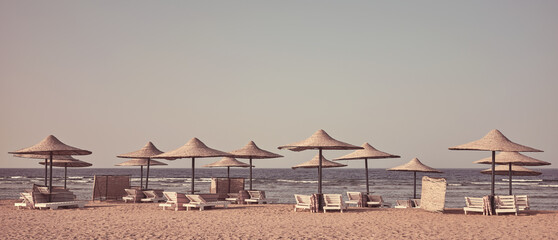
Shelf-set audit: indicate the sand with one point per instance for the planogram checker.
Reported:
(116, 220)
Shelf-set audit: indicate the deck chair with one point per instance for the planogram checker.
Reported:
(174, 199)
(153, 196)
(354, 198)
(376, 201)
(232, 197)
(506, 204)
(474, 205)
(334, 202)
(134, 195)
(24, 202)
(257, 197)
(403, 204)
(38, 200)
(522, 202)
(302, 202)
(198, 201)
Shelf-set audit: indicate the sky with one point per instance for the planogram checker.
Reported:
(411, 78)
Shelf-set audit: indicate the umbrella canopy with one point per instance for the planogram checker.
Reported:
(319, 140)
(368, 152)
(51, 146)
(228, 162)
(514, 158)
(193, 149)
(315, 163)
(66, 163)
(252, 151)
(141, 162)
(494, 141)
(146, 152)
(515, 170)
(414, 166)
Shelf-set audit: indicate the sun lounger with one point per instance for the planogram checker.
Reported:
(197, 201)
(506, 204)
(354, 198)
(232, 197)
(302, 202)
(153, 196)
(376, 201)
(334, 202)
(403, 204)
(38, 200)
(134, 195)
(522, 202)
(258, 197)
(24, 202)
(474, 205)
(174, 200)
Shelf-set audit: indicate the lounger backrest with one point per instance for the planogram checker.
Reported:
(302, 199)
(522, 200)
(196, 198)
(506, 201)
(171, 196)
(256, 194)
(150, 194)
(375, 198)
(174, 197)
(474, 202)
(416, 202)
(333, 199)
(131, 192)
(353, 195)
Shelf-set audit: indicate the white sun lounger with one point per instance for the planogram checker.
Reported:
(258, 197)
(522, 202)
(174, 200)
(334, 202)
(302, 202)
(197, 201)
(506, 204)
(474, 205)
(153, 196)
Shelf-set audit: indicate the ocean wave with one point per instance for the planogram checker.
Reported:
(75, 177)
(455, 184)
(17, 177)
(544, 185)
(297, 181)
(522, 180)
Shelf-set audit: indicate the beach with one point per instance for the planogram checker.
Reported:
(118, 220)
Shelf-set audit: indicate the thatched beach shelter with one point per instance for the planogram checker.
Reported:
(141, 162)
(322, 141)
(45, 163)
(415, 165)
(252, 151)
(193, 149)
(51, 146)
(368, 152)
(66, 164)
(228, 162)
(146, 152)
(315, 163)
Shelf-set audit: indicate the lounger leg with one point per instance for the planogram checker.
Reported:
(201, 208)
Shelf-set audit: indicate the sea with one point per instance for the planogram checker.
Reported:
(282, 184)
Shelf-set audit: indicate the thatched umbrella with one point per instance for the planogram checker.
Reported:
(141, 162)
(66, 164)
(368, 152)
(494, 141)
(228, 162)
(51, 146)
(315, 163)
(146, 152)
(251, 151)
(512, 158)
(193, 149)
(322, 141)
(45, 157)
(414, 166)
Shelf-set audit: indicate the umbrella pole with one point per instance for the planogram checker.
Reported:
(510, 178)
(193, 174)
(141, 178)
(415, 186)
(229, 179)
(320, 173)
(250, 173)
(147, 177)
(65, 174)
(46, 172)
(492, 206)
(366, 168)
(50, 180)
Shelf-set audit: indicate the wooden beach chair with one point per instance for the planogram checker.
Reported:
(134, 195)
(174, 200)
(334, 202)
(354, 198)
(302, 202)
(376, 201)
(153, 196)
(522, 202)
(474, 205)
(403, 204)
(258, 197)
(39, 200)
(506, 204)
(232, 197)
(197, 201)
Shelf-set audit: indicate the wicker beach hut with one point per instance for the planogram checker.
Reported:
(228, 162)
(141, 162)
(66, 164)
(193, 149)
(146, 152)
(415, 165)
(322, 141)
(252, 151)
(51, 146)
(368, 152)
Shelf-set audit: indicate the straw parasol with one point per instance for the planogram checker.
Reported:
(516, 171)
(414, 166)
(146, 152)
(193, 149)
(315, 163)
(45, 157)
(368, 152)
(322, 141)
(66, 164)
(227, 162)
(512, 158)
(494, 141)
(51, 146)
(141, 162)
(251, 151)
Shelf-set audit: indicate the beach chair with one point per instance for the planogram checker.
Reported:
(153, 196)
(232, 197)
(38, 200)
(134, 195)
(174, 199)
(354, 198)
(376, 201)
(403, 204)
(24, 202)
(334, 202)
(258, 197)
(416, 203)
(474, 205)
(197, 201)
(522, 202)
(506, 204)
(302, 202)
